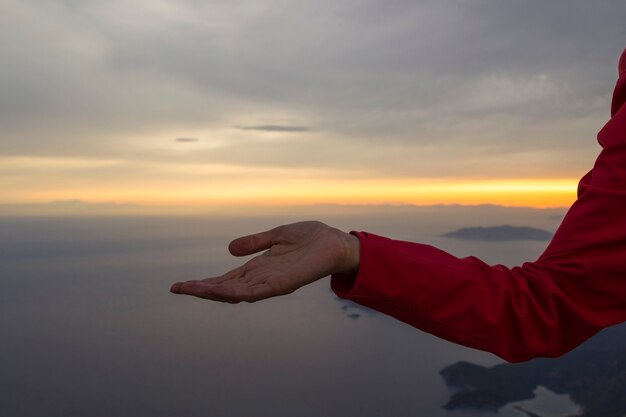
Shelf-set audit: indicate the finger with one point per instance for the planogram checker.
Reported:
(238, 292)
(232, 274)
(183, 286)
(229, 292)
(175, 288)
(209, 291)
(197, 289)
(247, 245)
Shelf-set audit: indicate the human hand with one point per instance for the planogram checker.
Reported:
(295, 255)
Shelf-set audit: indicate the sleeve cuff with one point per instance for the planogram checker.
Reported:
(370, 284)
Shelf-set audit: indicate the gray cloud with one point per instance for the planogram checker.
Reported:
(509, 77)
(275, 128)
(186, 140)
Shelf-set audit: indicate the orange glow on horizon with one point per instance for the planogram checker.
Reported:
(185, 186)
(537, 193)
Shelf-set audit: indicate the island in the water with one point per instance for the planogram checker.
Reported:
(500, 233)
(594, 376)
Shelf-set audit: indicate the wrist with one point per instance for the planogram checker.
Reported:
(352, 254)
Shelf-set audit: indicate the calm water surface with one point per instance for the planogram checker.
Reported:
(89, 328)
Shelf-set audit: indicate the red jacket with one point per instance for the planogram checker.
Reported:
(542, 308)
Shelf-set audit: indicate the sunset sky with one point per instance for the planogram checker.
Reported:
(222, 105)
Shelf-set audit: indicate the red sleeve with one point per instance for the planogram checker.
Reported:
(542, 308)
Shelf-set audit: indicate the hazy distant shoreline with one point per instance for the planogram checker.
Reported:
(84, 208)
(500, 233)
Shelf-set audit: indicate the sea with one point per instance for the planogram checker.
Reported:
(89, 328)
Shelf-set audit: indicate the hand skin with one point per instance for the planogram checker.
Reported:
(295, 255)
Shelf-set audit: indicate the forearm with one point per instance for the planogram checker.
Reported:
(517, 313)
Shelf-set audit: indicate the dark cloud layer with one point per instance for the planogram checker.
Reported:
(275, 128)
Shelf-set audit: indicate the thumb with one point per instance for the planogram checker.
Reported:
(247, 245)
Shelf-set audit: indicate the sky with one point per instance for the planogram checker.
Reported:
(238, 104)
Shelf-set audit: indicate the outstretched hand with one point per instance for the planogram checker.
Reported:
(295, 255)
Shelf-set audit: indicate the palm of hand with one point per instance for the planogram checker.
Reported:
(295, 255)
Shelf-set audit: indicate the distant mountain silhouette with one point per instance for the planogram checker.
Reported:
(500, 233)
